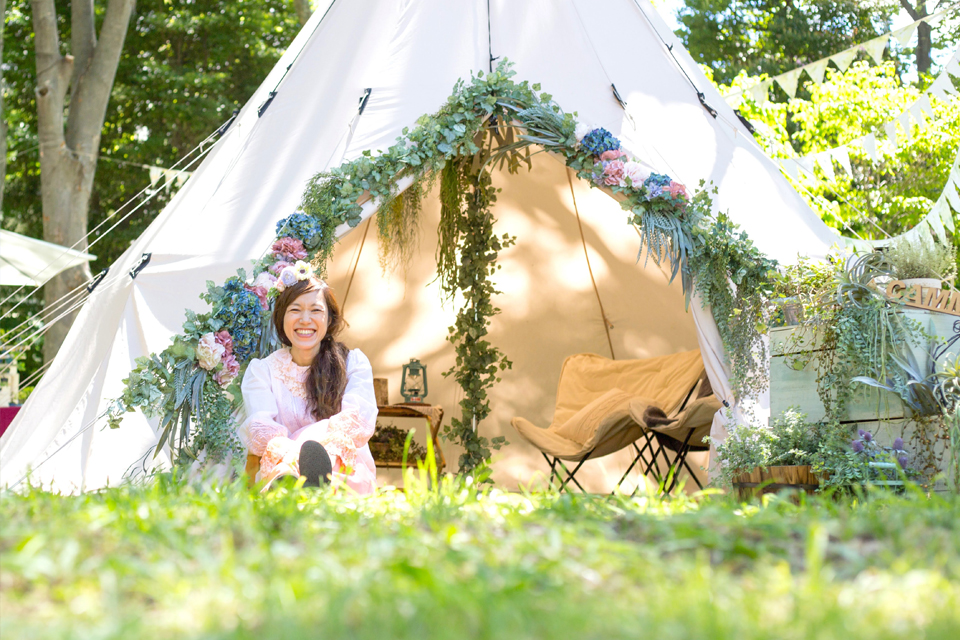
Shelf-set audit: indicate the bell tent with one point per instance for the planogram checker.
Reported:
(356, 76)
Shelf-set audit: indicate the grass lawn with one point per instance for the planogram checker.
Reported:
(198, 559)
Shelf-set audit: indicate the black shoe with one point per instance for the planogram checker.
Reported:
(315, 464)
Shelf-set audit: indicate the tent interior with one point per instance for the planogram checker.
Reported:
(549, 310)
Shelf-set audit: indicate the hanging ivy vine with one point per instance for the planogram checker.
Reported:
(490, 121)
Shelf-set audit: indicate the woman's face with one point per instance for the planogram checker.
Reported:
(305, 323)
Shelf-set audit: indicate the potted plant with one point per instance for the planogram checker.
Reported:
(921, 262)
(387, 445)
(756, 457)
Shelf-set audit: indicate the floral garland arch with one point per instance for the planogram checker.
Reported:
(193, 385)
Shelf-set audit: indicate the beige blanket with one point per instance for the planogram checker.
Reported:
(599, 400)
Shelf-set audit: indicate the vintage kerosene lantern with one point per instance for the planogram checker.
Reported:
(413, 385)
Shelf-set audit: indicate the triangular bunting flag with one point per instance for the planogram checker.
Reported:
(917, 112)
(155, 174)
(950, 194)
(826, 164)
(953, 67)
(891, 130)
(935, 220)
(734, 100)
(805, 164)
(924, 104)
(816, 69)
(790, 168)
(759, 92)
(907, 125)
(870, 145)
(169, 176)
(875, 48)
(942, 87)
(788, 82)
(844, 58)
(904, 34)
(842, 156)
(182, 177)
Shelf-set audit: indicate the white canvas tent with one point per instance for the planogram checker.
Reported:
(410, 53)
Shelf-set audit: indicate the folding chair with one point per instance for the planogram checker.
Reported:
(593, 417)
(682, 433)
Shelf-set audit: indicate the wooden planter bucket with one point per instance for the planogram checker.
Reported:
(774, 479)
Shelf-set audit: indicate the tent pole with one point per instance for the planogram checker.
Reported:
(603, 316)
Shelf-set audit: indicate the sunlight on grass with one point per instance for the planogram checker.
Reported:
(197, 558)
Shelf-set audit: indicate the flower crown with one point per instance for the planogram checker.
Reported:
(291, 275)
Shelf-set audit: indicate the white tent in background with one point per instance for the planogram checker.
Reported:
(410, 54)
(30, 262)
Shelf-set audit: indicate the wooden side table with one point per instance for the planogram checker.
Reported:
(424, 411)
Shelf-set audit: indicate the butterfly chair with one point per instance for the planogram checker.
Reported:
(601, 404)
(682, 432)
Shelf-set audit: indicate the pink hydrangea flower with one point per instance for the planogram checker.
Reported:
(288, 249)
(279, 266)
(223, 338)
(229, 372)
(612, 173)
(260, 292)
(677, 191)
(612, 154)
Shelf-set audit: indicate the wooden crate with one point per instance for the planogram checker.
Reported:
(793, 375)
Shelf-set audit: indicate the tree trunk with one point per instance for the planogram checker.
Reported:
(69, 150)
(303, 10)
(924, 40)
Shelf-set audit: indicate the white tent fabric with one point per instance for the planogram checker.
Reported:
(30, 262)
(410, 54)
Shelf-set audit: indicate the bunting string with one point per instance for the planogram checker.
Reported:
(874, 48)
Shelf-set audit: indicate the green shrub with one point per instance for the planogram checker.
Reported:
(921, 259)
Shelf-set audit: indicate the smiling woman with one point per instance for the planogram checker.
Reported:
(310, 406)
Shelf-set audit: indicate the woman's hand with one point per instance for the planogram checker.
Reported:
(281, 457)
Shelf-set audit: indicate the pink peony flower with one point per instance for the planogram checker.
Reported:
(223, 338)
(613, 154)
(209, 351)
(612, 173)
(636, 172)
(677, 191)
(279, 266)
(265, 280)
(229, 371)
(288, 249)
(260, 292)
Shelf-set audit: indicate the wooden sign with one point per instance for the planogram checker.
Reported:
(927, 298)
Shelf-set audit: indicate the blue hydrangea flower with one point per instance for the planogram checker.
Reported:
(302, 227)
(598, 141)
(656, 185)
(241, 314)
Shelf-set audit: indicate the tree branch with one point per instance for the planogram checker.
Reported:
(88, 104)
(913, 13)
(83, 37)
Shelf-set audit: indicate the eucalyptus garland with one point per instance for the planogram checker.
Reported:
(490, 121)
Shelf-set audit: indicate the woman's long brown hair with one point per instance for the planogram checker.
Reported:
(327, 377)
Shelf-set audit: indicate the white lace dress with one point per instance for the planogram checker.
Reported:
(278, 420)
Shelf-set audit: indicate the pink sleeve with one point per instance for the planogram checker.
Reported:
(261, 425)
(342, 434)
